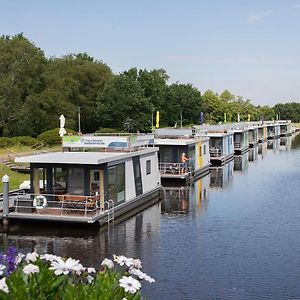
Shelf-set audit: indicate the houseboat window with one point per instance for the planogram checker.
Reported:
(148, 167)
(166, 154)
(75, 181)
(116, 183)
(204, 149)
(60, 177)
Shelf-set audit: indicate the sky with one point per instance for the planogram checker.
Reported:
(250, 47)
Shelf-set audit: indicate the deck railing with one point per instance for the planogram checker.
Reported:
(237, 145)
(215, 152)
(54, 205)
(173, 168)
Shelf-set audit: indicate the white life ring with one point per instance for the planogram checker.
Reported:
(39, 202)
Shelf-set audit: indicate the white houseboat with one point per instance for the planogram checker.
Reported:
(109, 177)
(273, 130)
(262, 133)
(253, 136)
(221, 148)
(285, 128)
(241, 140)
(183, 155)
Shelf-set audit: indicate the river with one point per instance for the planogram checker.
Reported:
(233, 234)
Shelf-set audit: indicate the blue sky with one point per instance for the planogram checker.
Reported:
(251, 48)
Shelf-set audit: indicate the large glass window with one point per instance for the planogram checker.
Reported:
(116, 183)
(76, 181)
(60, 177)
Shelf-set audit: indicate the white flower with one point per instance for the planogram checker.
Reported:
(49, 257)
(91, 270)
(31, 269)
(2, 267)
(19, 258)
(31, 257)
(78, 269)
(137, 264)
(3, 286)
(65, 267)
(90, 279)
(149, 279)
(107, 263)
(123, 260)
(130, 284)
(141, 275)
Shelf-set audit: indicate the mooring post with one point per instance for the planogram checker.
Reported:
(5, 207)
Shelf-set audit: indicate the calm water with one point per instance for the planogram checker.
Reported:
(234, 234)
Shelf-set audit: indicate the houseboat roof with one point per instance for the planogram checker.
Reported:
(81, 158)
(219, 134)
(174, 142)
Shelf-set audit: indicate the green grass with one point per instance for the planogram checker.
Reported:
(26, 149)
(15, 178)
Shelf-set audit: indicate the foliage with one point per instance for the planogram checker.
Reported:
(17, 140)
(51, 137)
(288, 111)
(51, 277)
(35, 91)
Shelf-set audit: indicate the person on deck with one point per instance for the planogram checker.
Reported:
(184, 160)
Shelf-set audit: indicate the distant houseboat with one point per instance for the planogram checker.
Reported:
(183, 155)
(285, 128)
(273, 130)
(262, 133)
(241, 140)
(221, 148)
(253, 136)
(110, 176)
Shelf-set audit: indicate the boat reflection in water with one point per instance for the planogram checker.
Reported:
(285, 143)
(241, 162)
(185, 199)
(221, 176)
(89, 244)
(262, 149)
(273, 144)
(253, 154)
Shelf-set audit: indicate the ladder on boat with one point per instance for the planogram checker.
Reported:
(110, 210)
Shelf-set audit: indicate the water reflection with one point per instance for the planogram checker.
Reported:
(253, 153)
(186, 199)
(285, 143)
(262, 149)
(221, 176)
(90, 245)
(241, 162)
(273, 144)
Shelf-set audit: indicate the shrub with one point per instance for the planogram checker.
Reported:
(51, 137)
(108, 130)
(51, 277)
(17, 140)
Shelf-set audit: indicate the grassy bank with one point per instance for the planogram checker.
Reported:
(15, 178)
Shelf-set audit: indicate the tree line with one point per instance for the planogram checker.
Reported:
(36, 90)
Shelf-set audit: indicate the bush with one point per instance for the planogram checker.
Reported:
(51, 137)
(17, 140)
(51, 277)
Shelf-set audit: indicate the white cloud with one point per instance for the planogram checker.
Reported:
(258, 16)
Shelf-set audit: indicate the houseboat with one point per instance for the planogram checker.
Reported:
(273, 130)
(241, 140)
(183, 154)
(262, 133)
(285, 128)
(253, 136)
(221, 148)
(94, 180)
